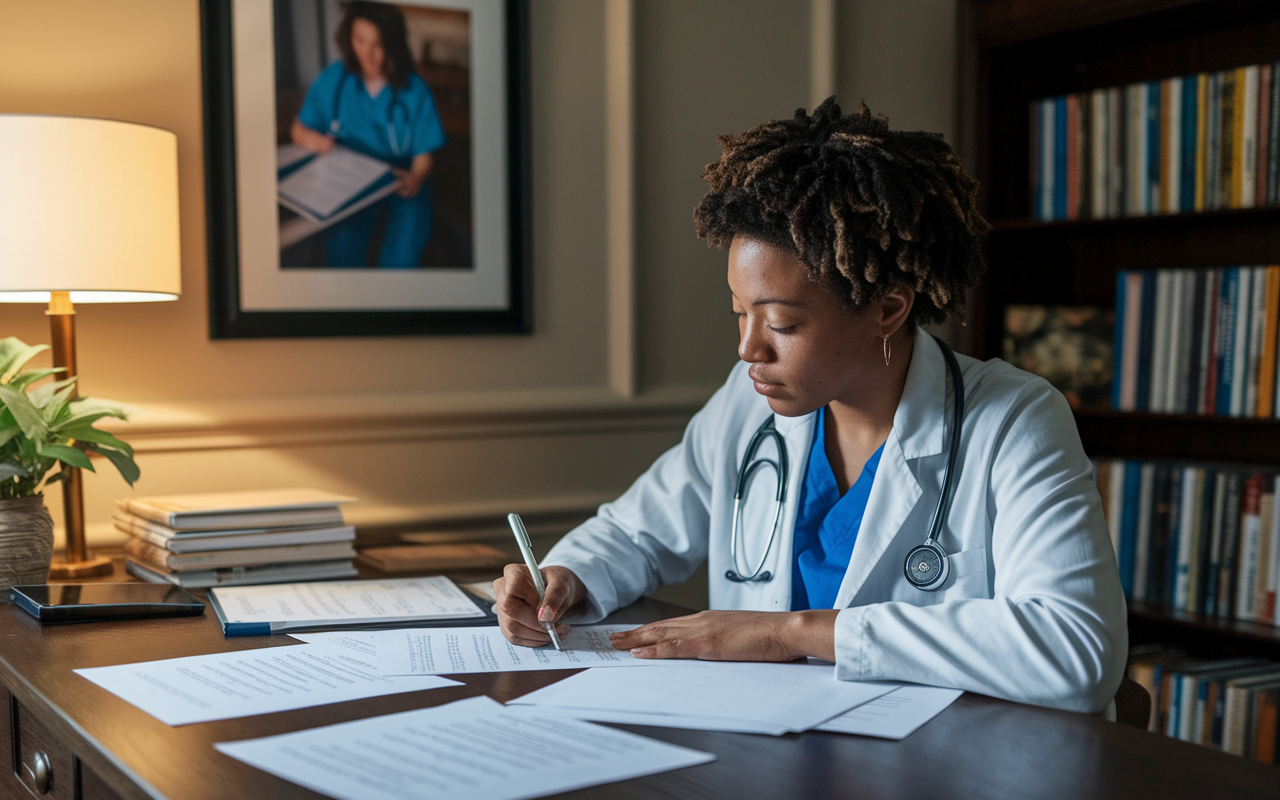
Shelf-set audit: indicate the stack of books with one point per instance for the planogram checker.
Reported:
(1200, 538)
(1184, 144)
(1197, 341)
(237, 538)
(1228, 704)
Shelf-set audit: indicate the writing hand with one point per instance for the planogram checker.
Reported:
(735, 636)
(517, 604)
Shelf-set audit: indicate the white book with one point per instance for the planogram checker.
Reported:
(1172, 161)
(1135, 190)
(1257, 329)
(1098, 146)
(1248, 160)
(1047, 132)
(1179, 332)
(1247, 564)
(1129, 347)
(1240, 375)
(174, 542)
(1115, 504)
(1146, 489)
(254, 508)
(1115, 152)
(1186, 526)
(246, 576)
(1160, 342)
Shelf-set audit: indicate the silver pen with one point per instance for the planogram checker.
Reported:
(526, 550)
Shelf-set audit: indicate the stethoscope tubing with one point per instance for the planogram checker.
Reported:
(335, 122)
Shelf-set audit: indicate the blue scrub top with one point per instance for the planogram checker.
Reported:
(826, 526)
(367, 124)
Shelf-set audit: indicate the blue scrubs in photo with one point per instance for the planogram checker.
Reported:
(826, 526)
(395, 126)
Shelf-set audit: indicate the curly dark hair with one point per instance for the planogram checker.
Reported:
(866, 209)
(389, 20)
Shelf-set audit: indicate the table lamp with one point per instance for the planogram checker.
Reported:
(88, 214)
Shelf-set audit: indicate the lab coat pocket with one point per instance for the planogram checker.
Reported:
(968, 576)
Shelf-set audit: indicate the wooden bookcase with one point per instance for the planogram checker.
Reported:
(1015, 51)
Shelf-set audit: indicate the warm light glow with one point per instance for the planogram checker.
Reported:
(87, 206)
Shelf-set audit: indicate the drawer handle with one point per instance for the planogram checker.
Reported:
(41, 772)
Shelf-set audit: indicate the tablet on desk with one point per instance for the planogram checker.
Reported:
(94, 602)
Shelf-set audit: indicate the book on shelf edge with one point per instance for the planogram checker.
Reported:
(248, 509)
(194, 542)
(149, 554)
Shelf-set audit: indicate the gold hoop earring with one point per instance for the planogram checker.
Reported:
(888, 351)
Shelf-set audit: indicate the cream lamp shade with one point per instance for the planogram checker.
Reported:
(90, 207)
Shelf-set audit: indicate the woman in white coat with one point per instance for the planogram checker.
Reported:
(843, 238)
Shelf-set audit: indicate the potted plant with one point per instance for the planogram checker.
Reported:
(42, 425)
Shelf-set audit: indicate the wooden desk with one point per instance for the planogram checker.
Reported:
(101, 747)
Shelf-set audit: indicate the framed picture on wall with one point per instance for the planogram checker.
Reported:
(366, 167)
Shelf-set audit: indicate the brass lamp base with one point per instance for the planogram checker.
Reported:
(91, 567)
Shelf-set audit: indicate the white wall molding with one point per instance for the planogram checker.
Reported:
(822, 50)
(271, 422)
(620, 189)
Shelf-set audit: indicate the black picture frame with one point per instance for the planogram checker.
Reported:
(228, 320)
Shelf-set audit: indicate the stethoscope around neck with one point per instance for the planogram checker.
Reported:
(398, 148)
(926, 567)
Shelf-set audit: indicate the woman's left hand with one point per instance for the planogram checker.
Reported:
(410, 182)
(735, 636)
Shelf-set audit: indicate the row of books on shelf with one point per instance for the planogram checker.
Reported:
(1190, 143)
(238, 538)
(1197, 341)
(1226, 704)
(1202, 539)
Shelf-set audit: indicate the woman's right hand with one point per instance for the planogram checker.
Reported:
(518, 608)
(312, 140)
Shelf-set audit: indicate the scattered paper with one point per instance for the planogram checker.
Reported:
(457, 651)
(895, 715)
(180, 691)
(672, 721)
(794, 696)
(330, 181)
(471, 749)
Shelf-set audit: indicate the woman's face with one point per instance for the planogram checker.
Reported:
(804, 350)
(366, 42)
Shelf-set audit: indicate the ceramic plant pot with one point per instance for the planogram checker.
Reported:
(26, 542)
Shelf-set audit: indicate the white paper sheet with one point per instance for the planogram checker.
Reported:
(672, 721)
(331, 180)
(457, 651)
(180, 691)
(468, 750)
(388, 601)
(795, 696)
(895, 715)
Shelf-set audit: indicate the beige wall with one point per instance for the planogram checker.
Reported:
(446, 434)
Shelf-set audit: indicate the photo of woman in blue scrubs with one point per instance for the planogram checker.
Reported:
(373, 101)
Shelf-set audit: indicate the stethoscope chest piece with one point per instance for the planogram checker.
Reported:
(927, 567)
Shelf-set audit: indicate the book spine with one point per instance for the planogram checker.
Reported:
(1273, 568)
(1142, 552)
(1213, 156)
(1115, 151)
(1158, 575)
(1171, 145)
(1270, 330)
(1214, 573)
(1226, 338)
(1146, 341)
(1257, 329)
(1117, 359)
(1240, 369)
(1135, 155)
(1073, 157)
(1268, 719)
(1227, 177)
(1195, 344)
(1233, 724)
(1263, 135)
(1034, 166)
(1262, 566)
(1180, 341)
(1246, 135)
(1060, 148)
(1185, 539)
(1190, 118)
(1084, 171)
(1132, 341)
(1098, 154)
(1273, 139)
(1207, 491)
(1247, 560)
(1129, 524)
(1151, 200)
(1048, 129)
(1232, 519)
(1209, 353)
(1199, 195)
(1160, 343)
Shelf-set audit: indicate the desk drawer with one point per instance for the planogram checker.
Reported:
(41, 763)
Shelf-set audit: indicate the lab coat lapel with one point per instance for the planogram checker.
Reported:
(917, 432)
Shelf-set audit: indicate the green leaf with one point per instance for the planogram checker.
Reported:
(8, 471)
(25, 413)
(41, 395)
(14, 353)
(128, 468)
(84, 433)
(67, 455)
(27, 377)
(7, 434)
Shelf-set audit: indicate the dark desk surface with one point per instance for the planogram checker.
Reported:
(977, 748)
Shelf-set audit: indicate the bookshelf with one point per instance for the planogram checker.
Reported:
(1015, 51)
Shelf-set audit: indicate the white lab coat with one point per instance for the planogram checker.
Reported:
(1032, 610)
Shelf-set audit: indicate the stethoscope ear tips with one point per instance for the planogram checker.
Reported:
(763, 577)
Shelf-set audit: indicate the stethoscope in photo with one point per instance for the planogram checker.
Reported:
(397, 147)
(926, 566)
